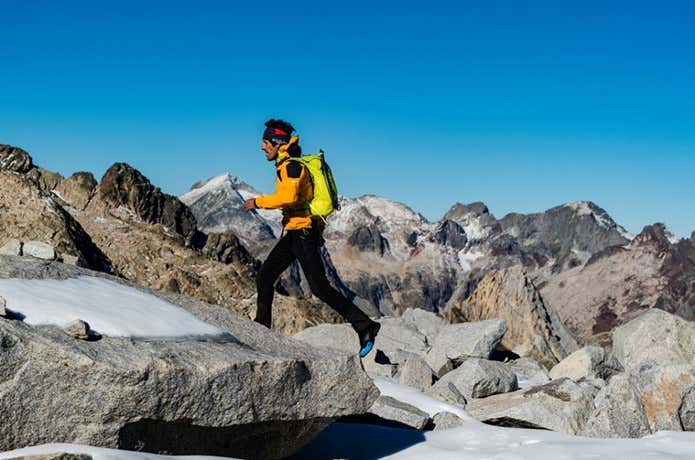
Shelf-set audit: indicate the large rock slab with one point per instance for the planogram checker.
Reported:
(12, 248)
(529, 372)
(397, 335)
(510, 295)
(39, 249)
(655, 337)
(388, 408)
(426, 322)
(619, 412)
(457, 342)
(561, 405)
(590, 362)
(416, 373)
(217, 396)
(475, 378)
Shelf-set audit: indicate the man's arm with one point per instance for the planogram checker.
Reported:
(286, 188)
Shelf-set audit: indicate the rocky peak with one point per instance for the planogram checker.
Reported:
(655, 236)
(14, 159)
(450, 233)
(459, 210)
(123, 185)
(568, 234)
(77, 190)
(475, 218)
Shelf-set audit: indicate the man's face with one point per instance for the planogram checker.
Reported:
(271, 151)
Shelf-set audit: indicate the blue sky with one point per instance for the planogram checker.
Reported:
(521, 105)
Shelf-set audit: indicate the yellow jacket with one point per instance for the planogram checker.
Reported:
(293, 191)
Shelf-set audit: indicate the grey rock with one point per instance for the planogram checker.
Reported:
(416, 373)
(78, 329)
(336, 336)
(226, 248)
(561, 405)
(214, 396)
(529, 372)
(587, 362)
(342, 337)
(3, 305)
(367, 238)
(662, 390)
(426, 322)
(72, 260)
(446, 421)
(456, 342)
(14, 159)
(475, 378)
(655, 337)
(619, 412)
(12, 247)
(39, 249)
(397, 335)
(687, 410)
(394, 410)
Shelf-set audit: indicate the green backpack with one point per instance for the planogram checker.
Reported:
(325, 199)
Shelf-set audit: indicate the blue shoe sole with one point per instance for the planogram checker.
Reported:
(367, 348)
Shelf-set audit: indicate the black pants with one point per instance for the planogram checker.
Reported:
(303, 245)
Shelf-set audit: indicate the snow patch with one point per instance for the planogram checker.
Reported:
(97, 453)
(110, 308)
(465, 259)
(414, 397)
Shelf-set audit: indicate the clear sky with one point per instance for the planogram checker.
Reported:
(521, 105)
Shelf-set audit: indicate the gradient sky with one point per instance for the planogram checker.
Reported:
(522, 105)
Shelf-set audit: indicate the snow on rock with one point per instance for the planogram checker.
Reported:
(97, 453)
(110, 308)
(466, 259)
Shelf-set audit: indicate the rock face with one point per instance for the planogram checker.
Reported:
(622, 282)
(122, 185)
(27, 214)
(561, 405)
(215, 397)
(662, 390)
(655, 337)
(619, 412)
(567, 234)
(510, 295)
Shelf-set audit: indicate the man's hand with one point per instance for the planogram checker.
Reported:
(250, 204)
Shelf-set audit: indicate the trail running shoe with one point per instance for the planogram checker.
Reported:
(367, 339)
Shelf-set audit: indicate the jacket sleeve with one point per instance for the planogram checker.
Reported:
(286, 192)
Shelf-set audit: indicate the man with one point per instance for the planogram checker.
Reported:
(302, 235)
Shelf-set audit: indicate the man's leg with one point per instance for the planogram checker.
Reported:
(306, 248)
(278, 260)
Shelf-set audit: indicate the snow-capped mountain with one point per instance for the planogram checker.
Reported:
(218, 205)
(387, 253)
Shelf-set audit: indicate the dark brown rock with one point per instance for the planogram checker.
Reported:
(123, 185)
(14, 159)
